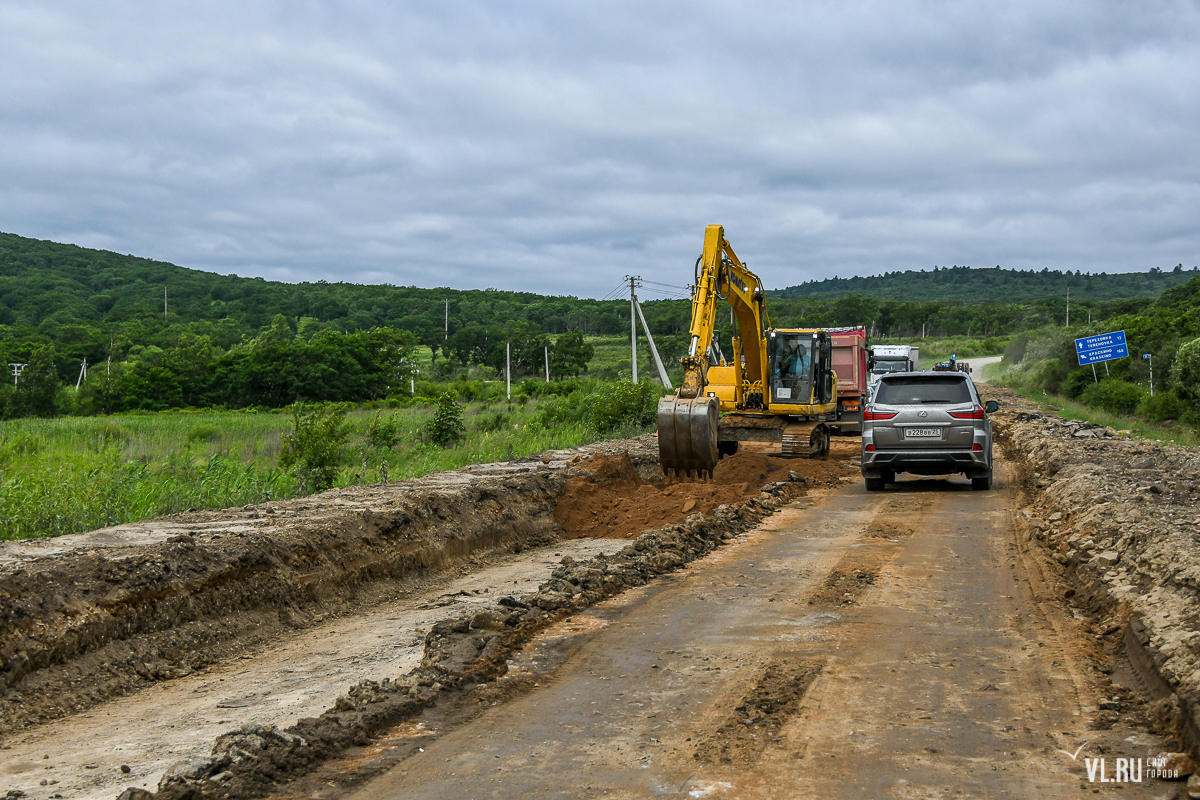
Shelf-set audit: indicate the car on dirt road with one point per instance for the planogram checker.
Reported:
(927, 423)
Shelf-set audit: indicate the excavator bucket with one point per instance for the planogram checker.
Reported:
(687, 435)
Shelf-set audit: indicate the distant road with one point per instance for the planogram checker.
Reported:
(977, 365)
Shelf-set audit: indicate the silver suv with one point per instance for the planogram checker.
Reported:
(927, 423)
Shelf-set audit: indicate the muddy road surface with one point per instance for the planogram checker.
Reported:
(576, 626)
(864, 645)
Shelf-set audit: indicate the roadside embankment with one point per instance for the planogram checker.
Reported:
(89, 617)
(464, 655)
(1121, 518)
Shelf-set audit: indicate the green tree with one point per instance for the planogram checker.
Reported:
(315, 448)
(570, 355)
(37, 391)
(1185, 373)
(447, 426)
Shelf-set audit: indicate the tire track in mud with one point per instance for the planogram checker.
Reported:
(776, 697)
(760, 716)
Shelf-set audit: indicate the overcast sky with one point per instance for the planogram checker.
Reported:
(556, 146)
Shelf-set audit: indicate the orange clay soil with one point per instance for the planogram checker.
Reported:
(614, 503)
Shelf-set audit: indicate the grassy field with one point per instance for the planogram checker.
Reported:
(76, 474)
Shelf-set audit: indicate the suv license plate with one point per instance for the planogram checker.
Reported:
(914, 433)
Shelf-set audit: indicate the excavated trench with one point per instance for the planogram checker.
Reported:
(1111, 523)
(87, 618)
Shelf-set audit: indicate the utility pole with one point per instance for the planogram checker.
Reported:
(447, 336)
(662, 371)
(82, 374)
(547, 349)
(633, 279)
(508, 368)
(16, 371)
(1068, 305)
(1151, 360)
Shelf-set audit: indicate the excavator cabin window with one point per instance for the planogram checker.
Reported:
(792, 358)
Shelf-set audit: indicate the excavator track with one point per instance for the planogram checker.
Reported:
(687, 435)
(809, 439)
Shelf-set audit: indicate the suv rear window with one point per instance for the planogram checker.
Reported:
(923, 389)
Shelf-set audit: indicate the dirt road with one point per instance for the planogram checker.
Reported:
(870, 645)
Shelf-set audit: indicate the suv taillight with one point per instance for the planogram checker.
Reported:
(871, 413)
(974, 413)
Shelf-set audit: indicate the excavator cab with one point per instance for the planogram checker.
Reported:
(799, 367)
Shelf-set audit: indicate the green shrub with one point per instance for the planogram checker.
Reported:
(557, 411)
(447, 426)
(1162, 407)
(1077, 382)
(621, 405)
(383, 432)
(1185, 372)
(315, 447)
(1114, 396)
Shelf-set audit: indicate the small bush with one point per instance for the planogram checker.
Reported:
(1114, 396)
(621, 405)
(447, 426)
(1077, 383)
(383, 432)
(1162, 407)
(556, 411)
(315, 448)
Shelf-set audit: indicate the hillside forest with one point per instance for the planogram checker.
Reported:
(157, 336)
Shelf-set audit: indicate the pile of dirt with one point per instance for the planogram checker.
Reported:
(610, 499)
(1117, 518)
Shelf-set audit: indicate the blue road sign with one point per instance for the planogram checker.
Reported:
(1104, 347)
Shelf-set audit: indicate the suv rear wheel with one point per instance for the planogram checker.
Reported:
(982, 484)
(874, 484)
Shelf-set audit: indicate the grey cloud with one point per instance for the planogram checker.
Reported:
(555, 147)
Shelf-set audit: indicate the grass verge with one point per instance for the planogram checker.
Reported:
(1135, 427)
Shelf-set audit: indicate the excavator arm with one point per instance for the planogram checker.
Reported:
(721, 276)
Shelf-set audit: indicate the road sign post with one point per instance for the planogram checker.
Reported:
(1151, 360)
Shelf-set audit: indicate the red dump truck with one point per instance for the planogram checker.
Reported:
(850, 363)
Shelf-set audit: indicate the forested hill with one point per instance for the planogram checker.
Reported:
(992, 284)
(45, 283)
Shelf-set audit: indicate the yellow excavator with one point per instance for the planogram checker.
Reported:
(778, 387)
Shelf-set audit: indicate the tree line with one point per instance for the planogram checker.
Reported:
(239, 342)
(994, 284)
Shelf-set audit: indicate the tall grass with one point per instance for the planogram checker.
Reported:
(78, 474)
